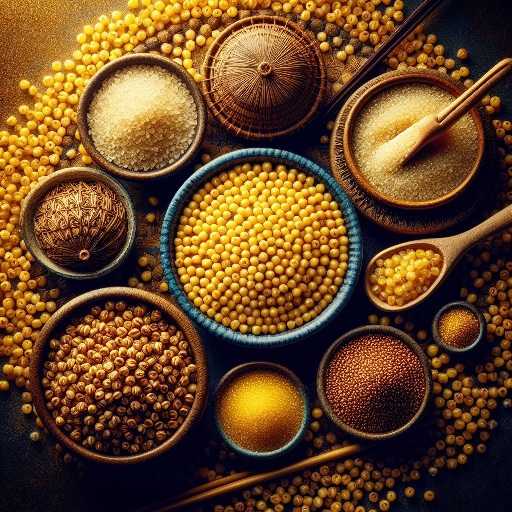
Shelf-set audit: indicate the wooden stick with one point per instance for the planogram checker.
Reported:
(199, 494)
(212, 484)
(396, 37)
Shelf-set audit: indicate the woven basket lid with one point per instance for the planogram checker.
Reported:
(264, 77)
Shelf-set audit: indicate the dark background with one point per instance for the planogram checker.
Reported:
(33, 478)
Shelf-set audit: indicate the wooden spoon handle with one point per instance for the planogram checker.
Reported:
(496, 222)
(472, 95)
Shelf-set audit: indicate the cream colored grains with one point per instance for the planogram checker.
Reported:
(437, 169)
(143, 118)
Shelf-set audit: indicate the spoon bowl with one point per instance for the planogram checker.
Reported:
(450, 248)
(386, 253)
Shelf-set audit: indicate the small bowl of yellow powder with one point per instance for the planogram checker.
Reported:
(261, 247)
(142, 117)
(261, 409)
(374, 133)
(458, 327)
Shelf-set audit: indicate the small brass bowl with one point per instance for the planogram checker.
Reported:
(142, 59)
(462, 305)
(277, 368)
(357, 333)
(341, 140)
(32, 201)
(72, 308)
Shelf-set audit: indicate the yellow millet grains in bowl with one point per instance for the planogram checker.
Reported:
(262, 248)
(404, 276)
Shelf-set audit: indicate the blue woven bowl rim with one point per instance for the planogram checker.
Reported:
(228, 161)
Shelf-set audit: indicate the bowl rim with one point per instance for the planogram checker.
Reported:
(67, 175)
(140, 59)
(458, 304)
(219, 165)
(84, 300)
(271, 366)
(210, 56)
(356, 333)
(374, 87)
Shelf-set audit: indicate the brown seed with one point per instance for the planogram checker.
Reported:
(112, 392)
(375, 384)
(459, 327)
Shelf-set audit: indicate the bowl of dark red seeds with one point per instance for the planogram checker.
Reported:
(119, 375)
(374, 382)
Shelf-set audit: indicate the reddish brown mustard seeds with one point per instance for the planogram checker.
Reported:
(375, 383)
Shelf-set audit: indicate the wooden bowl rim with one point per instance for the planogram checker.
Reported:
(278, 368)
(66, 175)
(208, 62)
(134, 295)
(357, 333)
(451, 348)
(228, 161)
(366, 93)
(140, 59)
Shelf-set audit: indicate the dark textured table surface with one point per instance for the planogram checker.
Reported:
(32, 478)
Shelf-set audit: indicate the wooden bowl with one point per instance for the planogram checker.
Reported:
(32, 201)
(341, 140)
(451, 348)
(67, 312)
(142, 59)
(264, 365)
(357, 333)
(226, 162)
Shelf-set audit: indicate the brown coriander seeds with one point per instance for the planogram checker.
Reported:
(120, 380)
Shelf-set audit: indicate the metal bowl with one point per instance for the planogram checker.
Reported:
(70, 310)
(450, 348)
(229, 161)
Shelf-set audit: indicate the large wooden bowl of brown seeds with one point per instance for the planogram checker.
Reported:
(119, 375)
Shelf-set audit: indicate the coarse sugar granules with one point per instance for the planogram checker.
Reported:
(375, 383)
(143, 118)
(437, 169)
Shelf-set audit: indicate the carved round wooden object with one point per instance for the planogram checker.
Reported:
(81, 225)
(254, 73)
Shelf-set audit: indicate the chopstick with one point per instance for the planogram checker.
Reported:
(239, 481)
(397, 36)
(212, 484)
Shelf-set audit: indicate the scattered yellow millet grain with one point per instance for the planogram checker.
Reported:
(261, 248)
(404, 276)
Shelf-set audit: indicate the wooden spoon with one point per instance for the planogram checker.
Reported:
(451, 249)
(407, 144)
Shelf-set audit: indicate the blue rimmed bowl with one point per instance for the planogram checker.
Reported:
(255, 366)
(226, 162)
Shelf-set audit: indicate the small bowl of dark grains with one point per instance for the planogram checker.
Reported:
(374, 382)
(119, 375)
